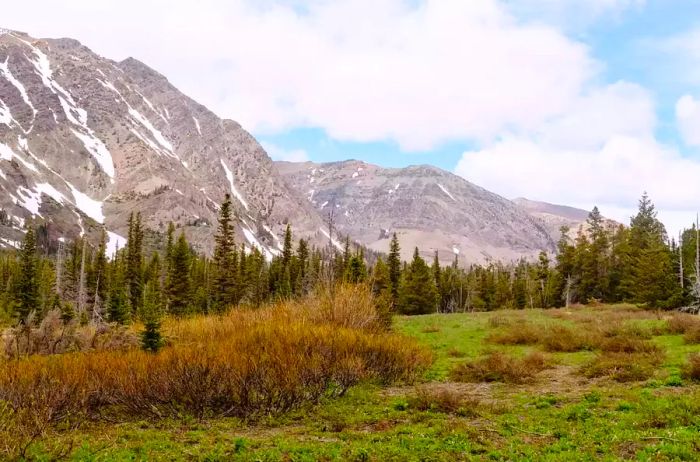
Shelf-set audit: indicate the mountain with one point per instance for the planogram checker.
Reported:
(555, 216)
(84, 141)
(426, 206)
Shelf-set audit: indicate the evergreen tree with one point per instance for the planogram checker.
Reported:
(151, 338)
(134, 261)
(28, 277)
(118, 308)
(394, 264)
(417, 291)
(178, 282)
(224, 283)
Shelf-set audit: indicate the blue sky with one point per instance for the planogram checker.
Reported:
(580, 102)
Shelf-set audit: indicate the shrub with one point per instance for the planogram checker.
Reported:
(455, 353)
(499, 321)
(53, 335)
(243, 364)
(566, 340)
(681, 323)
(444, 400)
(628, 344)
(498, 367)
(691, 370)
(525, 334)
(692, 334)
(623, 367)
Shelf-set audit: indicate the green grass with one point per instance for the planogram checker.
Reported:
(559, 417)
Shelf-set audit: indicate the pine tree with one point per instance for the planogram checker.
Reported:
(381, 289)
(394, 264)
(224, 280)
(179, 289)
(287, 248)
(134, 261)
(651, 275)
(118, 308)
(28, 277)
(417, 291)
(151, 338)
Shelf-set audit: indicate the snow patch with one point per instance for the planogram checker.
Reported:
(9, 242)
(447, 192)
(334, 241)
(234, 191)
(92, 143)
(45, 188)
(455, 250)
(6, 153)
(355, 175)
(98, 150)
(87, 205)
(5, 71)
(196, 124)
(157, 135)
(114, 243)
(255, 243)
(29, 200)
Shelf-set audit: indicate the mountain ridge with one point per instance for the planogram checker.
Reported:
(85, 140)
(428, 207)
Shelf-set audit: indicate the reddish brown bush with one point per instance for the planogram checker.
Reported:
(691, 370)
(623, 367)
(498, 367)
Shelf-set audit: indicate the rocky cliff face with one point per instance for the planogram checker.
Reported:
(428, 207)
(84, 141)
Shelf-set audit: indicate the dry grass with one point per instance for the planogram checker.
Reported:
(243, 364)
(455, 353)
(568, 340)
(525, 334)
(691, 370)
(53, 336)
(499, 321)
(445, 400)
(499, 367)
(624, 367)
(682, 323)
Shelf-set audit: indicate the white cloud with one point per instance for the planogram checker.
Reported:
(612, 177)
(287, 155)
(364, 70)
(621, 108)
(688, 118)
(575, 14)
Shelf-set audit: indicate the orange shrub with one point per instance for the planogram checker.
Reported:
(241, 364)
(498, 367)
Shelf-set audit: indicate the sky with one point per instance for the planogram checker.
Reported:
(576, 102)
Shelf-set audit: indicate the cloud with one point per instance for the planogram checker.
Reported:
(688, 119)
(574, 14)
(287, 155)
(612, 177)
(416, 73)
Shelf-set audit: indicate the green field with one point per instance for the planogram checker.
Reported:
(559, 415)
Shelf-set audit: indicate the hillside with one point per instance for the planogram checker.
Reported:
(426, 206)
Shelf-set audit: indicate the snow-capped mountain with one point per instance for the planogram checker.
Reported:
(84, 141)
(426, 206)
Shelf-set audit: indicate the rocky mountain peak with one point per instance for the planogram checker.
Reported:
(84, 141)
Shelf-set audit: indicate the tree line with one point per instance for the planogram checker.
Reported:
(637, 263)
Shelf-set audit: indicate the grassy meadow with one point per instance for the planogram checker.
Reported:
(324, 383)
